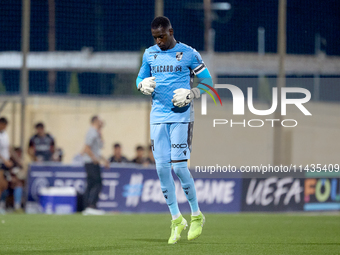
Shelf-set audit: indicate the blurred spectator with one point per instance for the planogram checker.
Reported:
(150, 159)
(117, 156)
(41, 145)
(139, 159)
(5, 163)
(92, 159)
(17, 178)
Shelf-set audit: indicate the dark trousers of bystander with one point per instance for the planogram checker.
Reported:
(94, 185)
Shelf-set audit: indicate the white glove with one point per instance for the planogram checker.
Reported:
(147, 86)
(183, 97)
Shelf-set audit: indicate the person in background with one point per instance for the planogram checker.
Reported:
(139, 159)
(92, 158)
(41, 145)
(150, 159)
(117, 156)
(17, 178)
(5, 163)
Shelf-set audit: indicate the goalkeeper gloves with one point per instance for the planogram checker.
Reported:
(183, 97)
(147, 86)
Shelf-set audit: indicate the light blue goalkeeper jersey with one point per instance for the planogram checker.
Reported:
(173, 69)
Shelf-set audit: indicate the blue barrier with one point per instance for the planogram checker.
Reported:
(130, 188)
(133, 189)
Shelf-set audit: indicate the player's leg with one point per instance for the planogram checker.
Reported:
(97, 187)
(94, 186)
(161, 148)
(181, 136)
(17, 198)
(17, 187)
(89, 184)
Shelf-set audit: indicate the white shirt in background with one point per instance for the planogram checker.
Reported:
(4, 145)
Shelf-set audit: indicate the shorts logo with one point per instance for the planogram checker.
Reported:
(179, 55)
(179, 146)
(185, 153)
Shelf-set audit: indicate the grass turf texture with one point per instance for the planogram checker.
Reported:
(148, 234)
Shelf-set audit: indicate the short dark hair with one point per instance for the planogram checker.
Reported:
(160, 21)
(139, 148)
(94, 118)
(116, 145)
(39, 125)
(3, 120)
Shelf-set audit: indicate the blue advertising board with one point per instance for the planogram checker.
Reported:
(322, 194)
(131, 188)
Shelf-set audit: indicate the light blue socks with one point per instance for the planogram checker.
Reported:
(168, 186)
(187, 182)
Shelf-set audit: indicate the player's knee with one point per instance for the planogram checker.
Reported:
(163, 170)
(180, 169)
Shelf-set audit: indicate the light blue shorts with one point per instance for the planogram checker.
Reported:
(171, 141)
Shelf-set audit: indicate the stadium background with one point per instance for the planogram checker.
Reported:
(84, 58)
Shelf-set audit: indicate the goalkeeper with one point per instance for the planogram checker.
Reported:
(167, 75)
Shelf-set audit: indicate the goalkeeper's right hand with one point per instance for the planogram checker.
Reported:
(147, 86)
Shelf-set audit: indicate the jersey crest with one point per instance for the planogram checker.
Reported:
(179, 55)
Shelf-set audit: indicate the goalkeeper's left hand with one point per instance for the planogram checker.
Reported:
(183, 97)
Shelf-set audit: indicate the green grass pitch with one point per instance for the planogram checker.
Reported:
(245, 233)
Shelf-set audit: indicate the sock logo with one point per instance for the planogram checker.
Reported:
(165, 191)
(186, 190)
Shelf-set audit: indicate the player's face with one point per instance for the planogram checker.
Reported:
(2, 126)
(40, 131)
(117, 151)
(163, 37)
(140, 153)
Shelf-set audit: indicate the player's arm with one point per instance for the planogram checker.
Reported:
(17, 160)
(105, 162)
(183, 97)
(144, 82)
(52, 146)
(7, 162)
(102, 159)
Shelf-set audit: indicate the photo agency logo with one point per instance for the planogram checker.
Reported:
(205, 87)
(239, 105)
